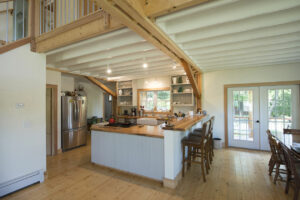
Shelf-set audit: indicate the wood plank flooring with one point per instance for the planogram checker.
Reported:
(235, 175)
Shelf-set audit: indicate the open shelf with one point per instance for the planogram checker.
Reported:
(183, 93)
(125, 89)
(181, 99)
(180, 84)
(179, 105)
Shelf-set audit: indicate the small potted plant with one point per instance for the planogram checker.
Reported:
(180, 79)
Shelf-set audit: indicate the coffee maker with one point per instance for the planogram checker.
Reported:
(133, 111)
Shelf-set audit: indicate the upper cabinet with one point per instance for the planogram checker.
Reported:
(124, 93)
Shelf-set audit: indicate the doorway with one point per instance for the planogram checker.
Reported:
(108, 106)
(253, 110)
(51, 120)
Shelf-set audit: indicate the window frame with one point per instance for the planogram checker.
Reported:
(155, 90)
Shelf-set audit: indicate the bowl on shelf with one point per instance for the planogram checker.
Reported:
(187, 90)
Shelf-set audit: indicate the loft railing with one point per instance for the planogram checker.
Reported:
(13, 20)
(56, 13)
(27, 21)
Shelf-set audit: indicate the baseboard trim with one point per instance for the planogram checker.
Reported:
(21, 182)
(172, 184)
(59, 151)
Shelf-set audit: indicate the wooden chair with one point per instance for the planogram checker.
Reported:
(277, 159)
(272, 159)
(196, 149)
(212, 121)
(198, 132)
(293, 170)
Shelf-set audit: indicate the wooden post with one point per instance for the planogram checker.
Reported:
(190, 75)
(34, 22)
(199, 84)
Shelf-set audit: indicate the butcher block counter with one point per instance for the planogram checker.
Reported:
(145, 130)
(185, 123)
(150, 151)
(152, 131)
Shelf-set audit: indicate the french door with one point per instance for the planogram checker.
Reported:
(253, 110)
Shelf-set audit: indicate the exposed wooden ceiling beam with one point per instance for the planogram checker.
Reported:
(92, 79)
(155, 8)
(130, 14)
(102, 86)
(191, 77)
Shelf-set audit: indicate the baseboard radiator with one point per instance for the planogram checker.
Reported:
(21, 182)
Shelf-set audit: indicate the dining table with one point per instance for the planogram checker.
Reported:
(291, 139)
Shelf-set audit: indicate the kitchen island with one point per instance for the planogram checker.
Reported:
(151, 151)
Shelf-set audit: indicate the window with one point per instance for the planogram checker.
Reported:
(279, 110)
(155, 100)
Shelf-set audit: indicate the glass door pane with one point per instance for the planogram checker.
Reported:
(279, 110)
(243, 115)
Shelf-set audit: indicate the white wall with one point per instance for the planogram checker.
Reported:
(54, 78)
(213, 86)
(94, 97)
(22, 130)
(67, 83)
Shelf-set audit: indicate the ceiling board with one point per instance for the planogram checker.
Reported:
(228, 34)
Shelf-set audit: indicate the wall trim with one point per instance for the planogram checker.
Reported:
(15, 44)
(54, 135)
(172, 184)
(295, 82)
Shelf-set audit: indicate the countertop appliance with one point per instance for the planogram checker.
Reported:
(123, 125)
(73, 121)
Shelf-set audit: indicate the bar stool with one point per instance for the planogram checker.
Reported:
(197, 148)
(197, 133)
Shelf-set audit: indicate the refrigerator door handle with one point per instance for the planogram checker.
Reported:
(74, 110)
(77, 111)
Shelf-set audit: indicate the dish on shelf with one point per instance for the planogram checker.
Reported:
(187, 90)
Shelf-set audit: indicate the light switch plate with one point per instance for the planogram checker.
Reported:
(20, 105)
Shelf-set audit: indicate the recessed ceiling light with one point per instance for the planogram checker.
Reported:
(108, 71)
(145, 65)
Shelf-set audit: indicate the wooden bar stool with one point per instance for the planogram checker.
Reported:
(196, 149)
(198, 133)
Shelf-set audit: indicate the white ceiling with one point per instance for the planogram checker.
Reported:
(228, 34)
(222, 34)
(123, 51)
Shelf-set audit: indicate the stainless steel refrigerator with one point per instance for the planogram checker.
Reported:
(73, 121)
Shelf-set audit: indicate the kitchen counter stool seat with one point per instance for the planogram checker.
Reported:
(196, 147)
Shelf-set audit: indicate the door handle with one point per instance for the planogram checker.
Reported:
(257, 121)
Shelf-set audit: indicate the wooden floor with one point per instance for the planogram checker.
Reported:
(235, 175)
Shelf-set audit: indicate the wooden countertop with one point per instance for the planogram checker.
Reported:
(137, 117)
(185, 123)
(150, 131)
